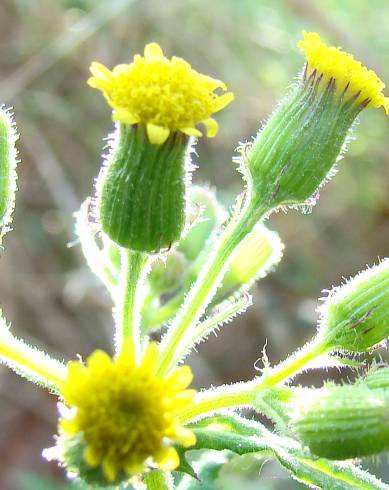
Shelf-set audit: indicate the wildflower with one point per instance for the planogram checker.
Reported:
(123, 415)
(351, 78)
(142, 186)
(295, 152)
(164, 95)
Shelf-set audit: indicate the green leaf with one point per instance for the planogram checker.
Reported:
(207, 469)
(242, 436)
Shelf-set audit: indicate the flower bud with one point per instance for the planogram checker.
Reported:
(141, 193)
(167, 273)
(159, 103)
(206, 215)
(355, 316)
(8, 175)
(342, 422)
(258, 253)
(296, 150)
(377, 378)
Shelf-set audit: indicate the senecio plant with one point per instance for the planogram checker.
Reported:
(178, 267)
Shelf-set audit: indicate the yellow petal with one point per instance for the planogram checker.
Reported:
(192, 132)
(167, 459)
(222, 101)
(100, 71)
(124, 116)
(153, 52)
(150, 356)
(91, 457)
(183, 399)
(183, 436)
(386, 105)
(211, 126)
(76, 372)
(134, 468)
(110, 470)
(98, 83)
(180, 379)
(99, 361)
(121, 68)
(69, 427)
(157, 134)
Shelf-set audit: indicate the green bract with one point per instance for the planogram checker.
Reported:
(141, 190)
(355, 315)
(298, 147)
(343, 422)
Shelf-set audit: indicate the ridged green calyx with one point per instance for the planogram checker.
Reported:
(296, 150)
(355, 316)
(158, 103)
(342, 422)
(141, 191)
(377, 377)
(8, 175)
(298, 147)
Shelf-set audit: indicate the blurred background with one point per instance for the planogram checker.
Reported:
(46, 289)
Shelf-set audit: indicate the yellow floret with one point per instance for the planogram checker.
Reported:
(347, 72)
(125, 413)
(165, 95)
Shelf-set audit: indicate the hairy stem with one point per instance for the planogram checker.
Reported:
(130, 301)
(244, 394)
(205, 287)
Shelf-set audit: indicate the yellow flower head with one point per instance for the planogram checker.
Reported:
(165, 95)
(125, 413)
(349, 74)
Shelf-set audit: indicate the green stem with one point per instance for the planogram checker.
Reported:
(205, 286)
(130, 301)
(30, 362)
(293, 364)
(158, 480)
(244, 394)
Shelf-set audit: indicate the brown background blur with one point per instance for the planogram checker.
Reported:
(46, 290)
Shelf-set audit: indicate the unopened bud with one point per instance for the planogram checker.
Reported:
(343, 422)
(141, 192)
(296, 150)
(355, 316)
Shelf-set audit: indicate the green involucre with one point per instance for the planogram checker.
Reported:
(355, 316)
(296, 150)
(343, 422)
(141, 191)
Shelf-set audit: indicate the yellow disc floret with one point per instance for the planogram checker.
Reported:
(348, 73)
(165, 95)
(125, 413)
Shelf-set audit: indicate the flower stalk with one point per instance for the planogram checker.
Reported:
(130, 301)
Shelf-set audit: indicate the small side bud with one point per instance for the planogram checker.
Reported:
(8, 177)
(377, 378)
(167, 273)
(343, 422)
(206, 215)
(141, 191)
(355, 316)
(259, 253)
